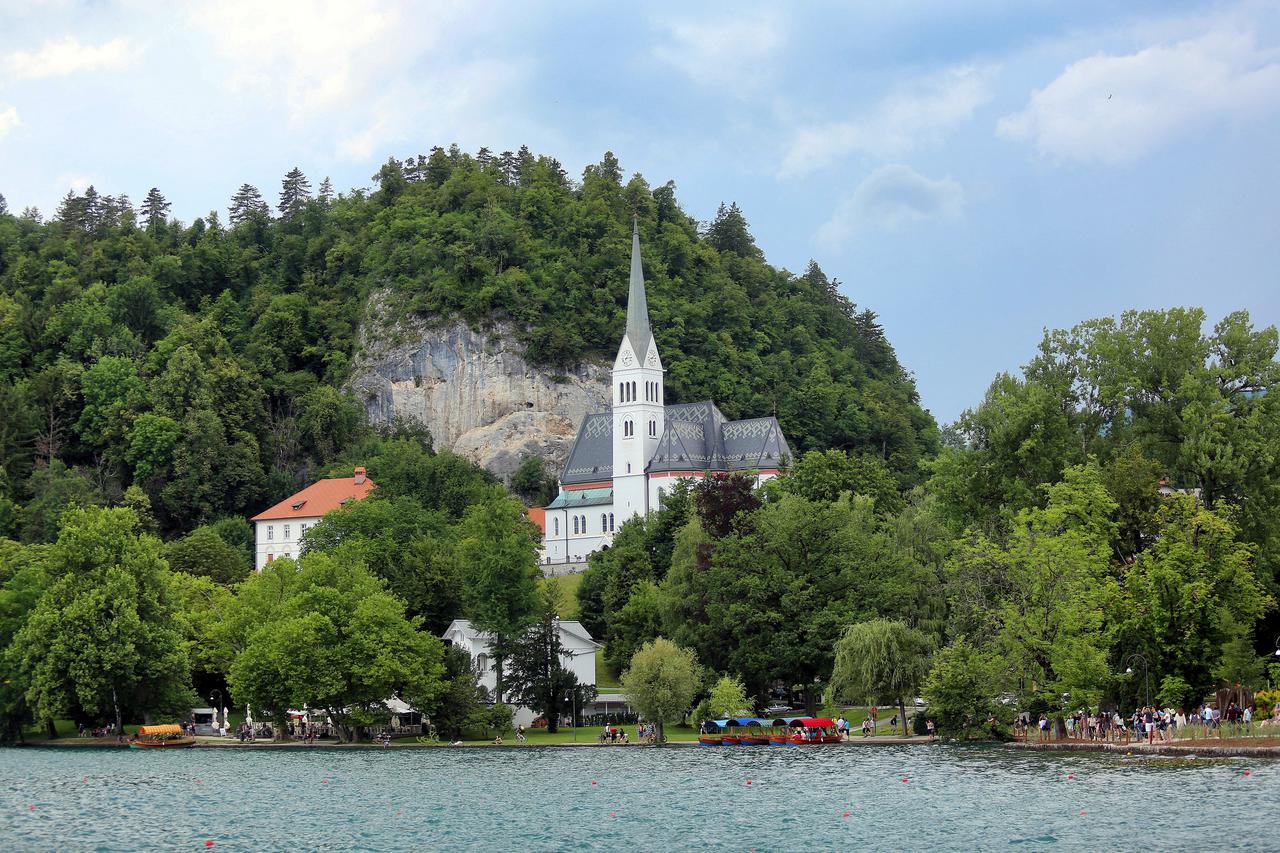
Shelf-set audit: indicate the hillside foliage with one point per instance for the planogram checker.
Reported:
(204, 363)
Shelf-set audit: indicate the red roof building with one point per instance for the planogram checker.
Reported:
(278, 530)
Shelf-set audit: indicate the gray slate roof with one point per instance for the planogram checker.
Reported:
(695, 437)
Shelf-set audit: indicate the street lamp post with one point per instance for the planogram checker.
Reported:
(1146, 672)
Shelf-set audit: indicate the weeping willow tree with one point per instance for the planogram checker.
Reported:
(881, 661)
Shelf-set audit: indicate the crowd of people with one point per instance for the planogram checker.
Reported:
(1149, 723)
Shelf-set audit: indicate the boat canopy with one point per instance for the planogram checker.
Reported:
(807, 722)
(712, 724)
(166, 729)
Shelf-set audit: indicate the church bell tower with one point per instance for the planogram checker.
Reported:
(638, 414)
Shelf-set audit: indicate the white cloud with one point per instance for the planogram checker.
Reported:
(1114, 109)
(889, 197)
(310, 55)
(73, 182)
(68, 56)
(724, 54)
(8, 119)
(909, 117)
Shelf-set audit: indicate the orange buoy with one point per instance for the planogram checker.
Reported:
(209, 843)
(846, 814)
(613, 814)
(748, 781)
(1069, 776)
(1246, 772)
(1083, 813)
(594, 782)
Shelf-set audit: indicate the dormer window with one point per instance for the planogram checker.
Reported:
(299, 504)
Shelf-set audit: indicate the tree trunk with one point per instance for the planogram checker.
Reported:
(116, 703)
(497, 677)
(50, 729)
(662, 732)
(902, 714)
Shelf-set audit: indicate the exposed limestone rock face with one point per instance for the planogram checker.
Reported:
(473, 390)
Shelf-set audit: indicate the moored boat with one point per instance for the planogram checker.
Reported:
(169, 736)
(809, 731)
(710, 734)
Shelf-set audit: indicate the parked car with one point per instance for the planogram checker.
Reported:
(920, 703)
(776, 710)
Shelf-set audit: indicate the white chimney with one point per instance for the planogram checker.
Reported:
(359, 476)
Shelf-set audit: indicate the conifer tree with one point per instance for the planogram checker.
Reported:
(508, 168)
(295, 190)
(246, 204)
(93, 204)
(438, 167)
(71, 210)
(4, 205)
(155, 209)
(524, 163)
(326, 191)
(484, 158)
(31, 213)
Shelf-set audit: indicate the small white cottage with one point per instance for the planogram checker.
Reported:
(578, 655)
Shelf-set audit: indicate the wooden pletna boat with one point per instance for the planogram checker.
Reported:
(169, 736)
(809, 731)
(710, 734)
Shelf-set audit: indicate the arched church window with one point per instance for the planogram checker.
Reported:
(653, 427)
(556, 523)
(604, 522)
(575, 525)
(611, 521)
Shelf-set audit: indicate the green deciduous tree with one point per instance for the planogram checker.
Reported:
(661, 682)
(339, 642)
(962, 687)
(204, 553)
(498, 562)
(102, 643)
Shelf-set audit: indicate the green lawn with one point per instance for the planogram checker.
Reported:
(606, 679)
(568, 585)
(586, 734)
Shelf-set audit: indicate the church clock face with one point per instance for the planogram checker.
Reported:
(626, 358)
(653, 358)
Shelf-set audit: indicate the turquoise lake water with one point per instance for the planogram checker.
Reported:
(955, 798)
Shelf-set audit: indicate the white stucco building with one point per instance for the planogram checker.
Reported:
(278, 531)
(578, 655)
(625, 459)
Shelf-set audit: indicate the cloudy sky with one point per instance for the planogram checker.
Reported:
(972, 172)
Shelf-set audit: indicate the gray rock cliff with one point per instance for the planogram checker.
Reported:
(474, 390)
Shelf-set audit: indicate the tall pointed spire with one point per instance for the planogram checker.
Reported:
(638, 331)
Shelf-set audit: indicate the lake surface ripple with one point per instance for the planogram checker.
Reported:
(761, 798)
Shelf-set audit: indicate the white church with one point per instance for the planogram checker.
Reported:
(625, 459)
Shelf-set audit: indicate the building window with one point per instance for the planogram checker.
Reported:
(270, 557)
(482, 664)
(286, 531)
(611, 521)
(556, 523)
(604, 522)
(271, 533)
(582, 519)
(628, 428)
(653, 427)
(575, 525)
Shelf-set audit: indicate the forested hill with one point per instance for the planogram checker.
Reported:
(197, 367)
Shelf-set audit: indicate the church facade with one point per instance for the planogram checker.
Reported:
(624, 460)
